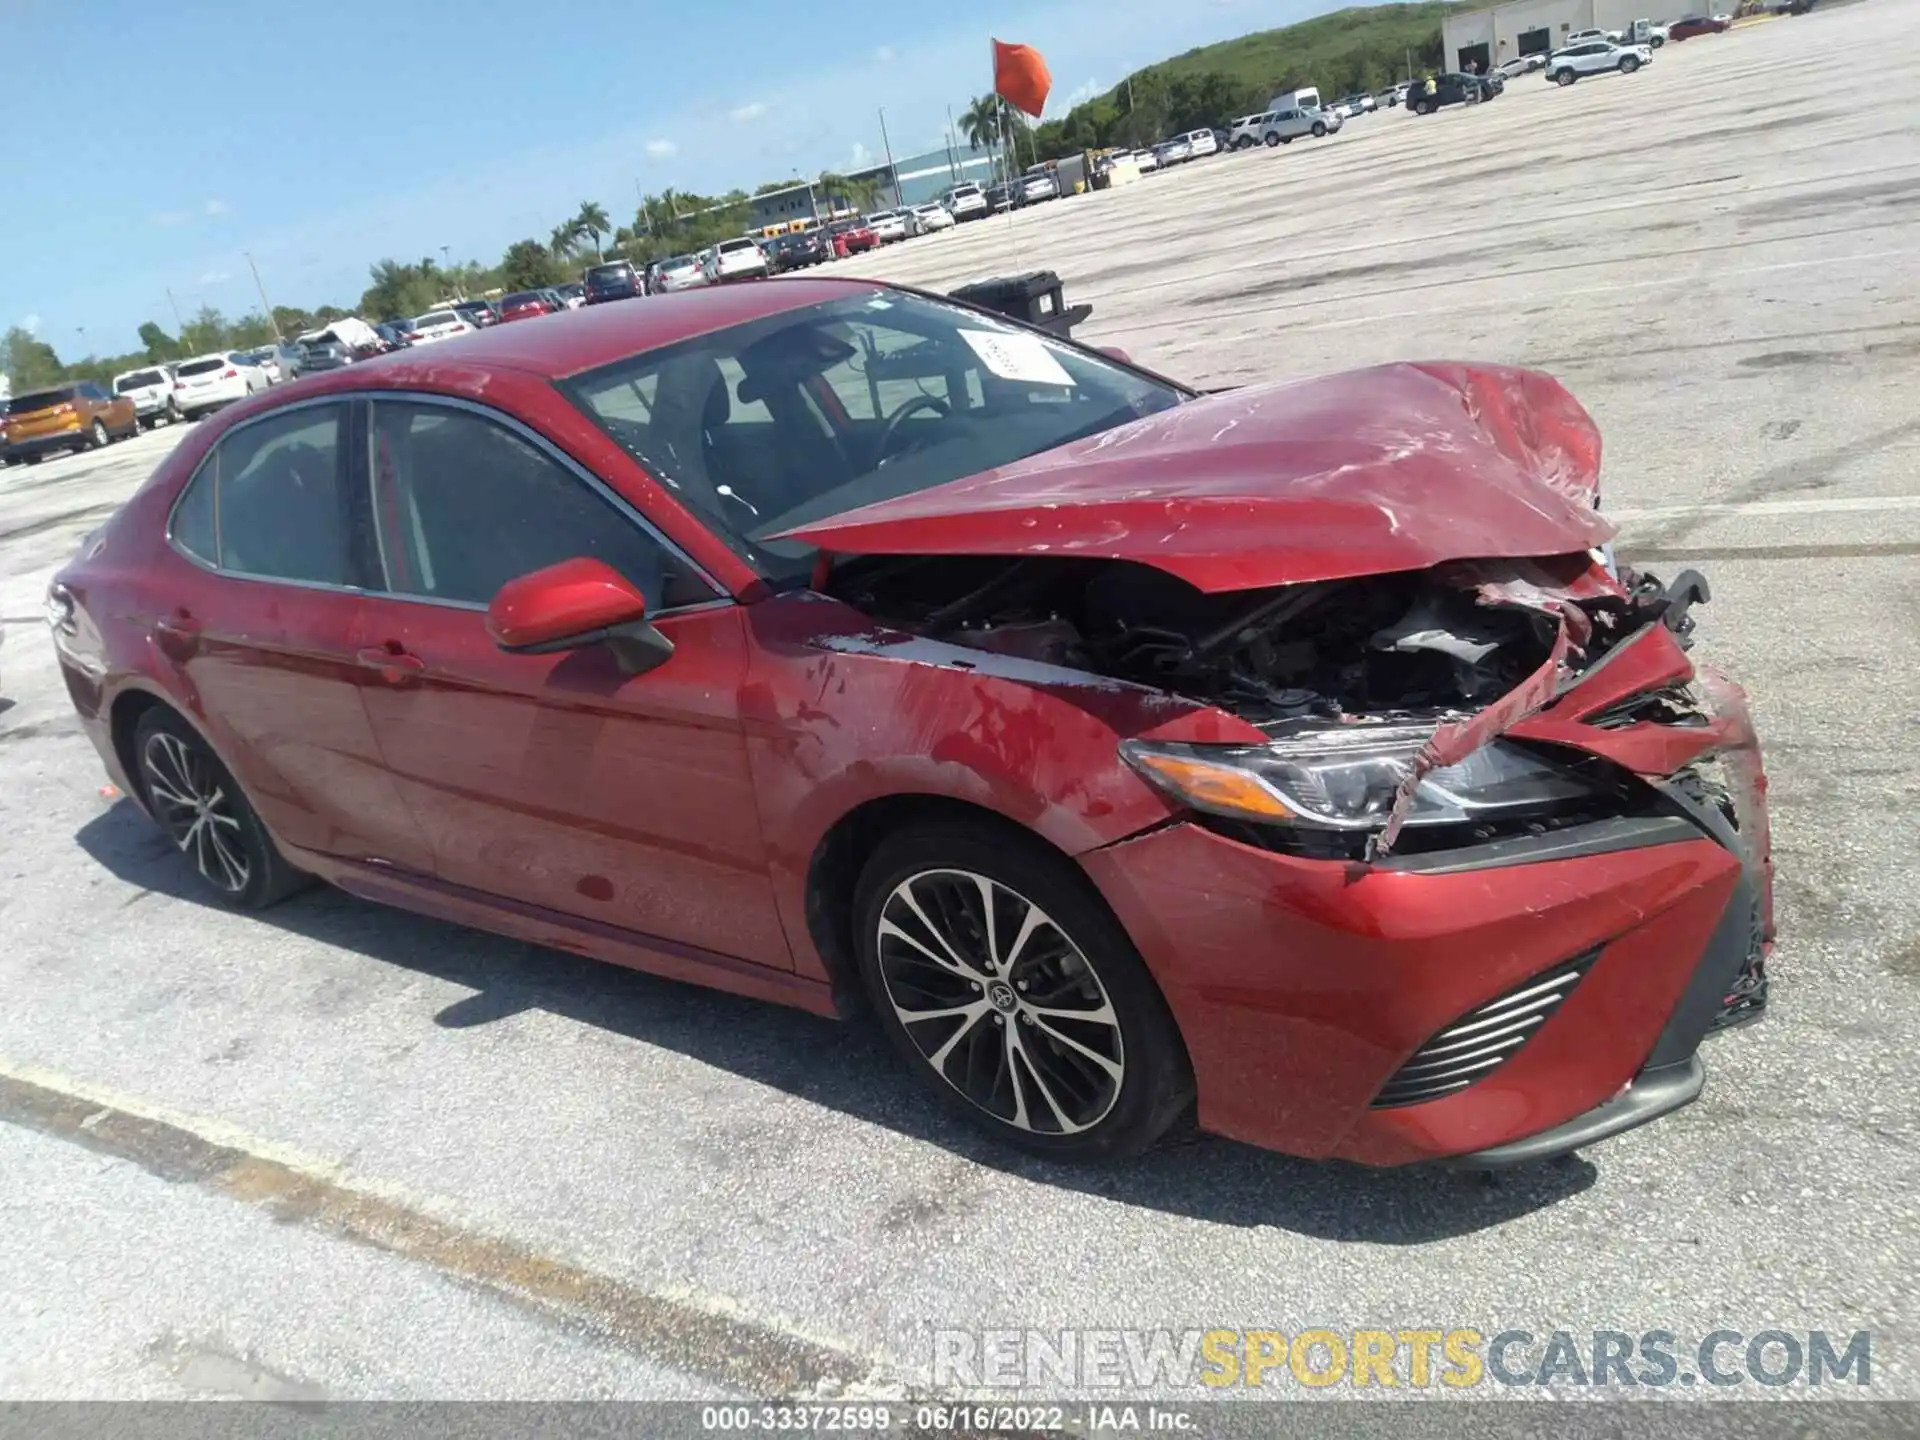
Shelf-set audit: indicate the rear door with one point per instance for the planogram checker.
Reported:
(263, 633)
(557, 781)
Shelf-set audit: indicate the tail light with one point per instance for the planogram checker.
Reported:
(229, 373)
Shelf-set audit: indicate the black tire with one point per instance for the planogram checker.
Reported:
(1564, 77)
(1319, 130)
(1080, 953)
(98, 436)
(35, 458)
(1629, 64)
(172, 763)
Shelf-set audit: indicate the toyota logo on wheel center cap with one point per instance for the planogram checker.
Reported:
(1000, 995)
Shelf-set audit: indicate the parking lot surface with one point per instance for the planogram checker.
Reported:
(497, 1170)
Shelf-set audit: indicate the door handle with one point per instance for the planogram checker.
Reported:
(178, 634)
(396, 667)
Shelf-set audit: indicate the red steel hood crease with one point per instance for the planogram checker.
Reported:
(1398, 467)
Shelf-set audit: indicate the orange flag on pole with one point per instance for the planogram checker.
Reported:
(1021, 77)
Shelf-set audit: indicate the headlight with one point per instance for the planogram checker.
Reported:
(1345, 779)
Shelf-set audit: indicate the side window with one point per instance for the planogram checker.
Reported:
(272, 502)
(462, 504)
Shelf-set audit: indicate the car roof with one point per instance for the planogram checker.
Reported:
(577, 340)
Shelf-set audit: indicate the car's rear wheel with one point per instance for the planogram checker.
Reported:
(1629, 64)
(1010, 989)
(199, 807)
(1565, 77)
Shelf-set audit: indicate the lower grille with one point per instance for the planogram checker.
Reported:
(1482, 1040)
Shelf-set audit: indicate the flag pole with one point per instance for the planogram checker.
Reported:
(993, 69)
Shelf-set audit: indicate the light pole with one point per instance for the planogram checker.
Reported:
(266, 306)
(892, 169)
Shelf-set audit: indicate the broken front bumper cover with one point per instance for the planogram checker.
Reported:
(1673, 1076)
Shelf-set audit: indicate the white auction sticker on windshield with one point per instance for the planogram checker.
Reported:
(1025, 358)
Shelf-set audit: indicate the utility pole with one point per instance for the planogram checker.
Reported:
(953, 170)
(179, 325)
(893, 169)
(266, 306)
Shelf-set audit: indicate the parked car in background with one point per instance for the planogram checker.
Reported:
(926, 219)
(1283, 127)
(83, 415)
(438, 325)
(1692, 25)
(1244, 133)
(737, 259)
(851, 237)
(1451, 88)
(266, 360)
(479, 313)
(677, 272)
(967, 735)
(1002, 197)
(797, 250)
(393, 336)
(207, 382)
(1596, 57)
(1580, 37)
(319, 356)
(612, 280)
(1174, 151)
(1356, 105)
(1201, 142)
(572, 293)
(1037, 187)
(888, 226)
(151, 391)
(528, 305)
(964, 201)
(1520, 65)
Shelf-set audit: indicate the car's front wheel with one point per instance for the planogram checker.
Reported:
(1629, 64)
(97, 436)
(1564, 77)
(1318, 130)
(1014, 994)
(197, 803)
(1273, 139)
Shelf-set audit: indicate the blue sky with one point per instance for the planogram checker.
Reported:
(174, 139)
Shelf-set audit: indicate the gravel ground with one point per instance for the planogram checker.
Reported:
(341, 1152)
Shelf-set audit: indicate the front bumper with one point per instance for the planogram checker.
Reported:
(1303, 987)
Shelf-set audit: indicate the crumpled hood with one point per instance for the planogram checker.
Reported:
(1398, 467)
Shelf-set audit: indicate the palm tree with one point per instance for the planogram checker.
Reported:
(564, 239)
(592, 221)
(981, 122)
(856, 192)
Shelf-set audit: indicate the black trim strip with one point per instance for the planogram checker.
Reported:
(1652, 1094)
(1601, 837)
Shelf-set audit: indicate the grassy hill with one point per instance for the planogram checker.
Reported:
(1363, 48)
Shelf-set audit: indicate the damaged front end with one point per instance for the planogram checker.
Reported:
(1471, 704)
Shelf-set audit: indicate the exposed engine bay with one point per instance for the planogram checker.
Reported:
(1420, 643)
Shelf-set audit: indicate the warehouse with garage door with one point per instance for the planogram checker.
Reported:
(1482, 39)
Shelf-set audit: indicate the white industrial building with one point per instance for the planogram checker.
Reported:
(1487, 38)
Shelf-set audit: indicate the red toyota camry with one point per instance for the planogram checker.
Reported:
(1290, 753)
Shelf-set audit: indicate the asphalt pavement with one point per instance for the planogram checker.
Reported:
(339, 1152)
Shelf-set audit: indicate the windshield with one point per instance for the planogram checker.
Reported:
(438, 317)
(767, 426)
(139, 380)
(203, 367)
(605, 274)
(523, 297)
(45, 400)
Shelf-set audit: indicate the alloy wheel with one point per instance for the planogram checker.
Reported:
(1000, 1002)
(193, 807)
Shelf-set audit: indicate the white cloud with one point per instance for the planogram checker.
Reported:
(741, 114)
(30, 324)
(661, 149)
(216, 207)
(1084, 93)
(862, 157)
(214, 277)
(885, 54)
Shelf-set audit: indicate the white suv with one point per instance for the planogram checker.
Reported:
(1596, 57)
(151, 391)
(740, 259)
(965, 201)
(1283, 127)
(206, 382)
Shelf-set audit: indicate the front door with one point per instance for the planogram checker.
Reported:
(557, 780)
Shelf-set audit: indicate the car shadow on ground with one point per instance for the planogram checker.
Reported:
(848, 1067)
